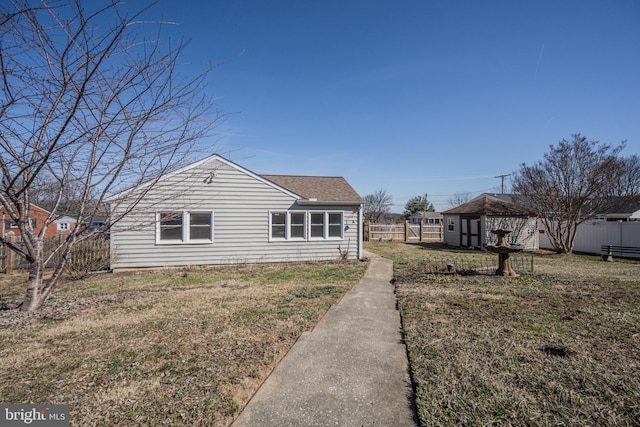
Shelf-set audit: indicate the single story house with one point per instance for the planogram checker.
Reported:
(625, 212)
(470, 224)
(426, 218)
(217, 212)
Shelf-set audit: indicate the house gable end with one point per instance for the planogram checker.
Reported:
(217, 162)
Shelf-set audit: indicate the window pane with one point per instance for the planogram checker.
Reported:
(317, 225)
(172, 233)
(297, 219)
(200, 218)
(200, 232)
(171, 218)
(278, 221)
(297, 225)
(278, 218)
(335, 225)
(335, 231)
(171, 226)
(200, 226)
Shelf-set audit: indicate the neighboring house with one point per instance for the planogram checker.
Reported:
(38, 217)
(65, 223)
(426, 218)
(627, 212)
(470, 224)
(217, 212)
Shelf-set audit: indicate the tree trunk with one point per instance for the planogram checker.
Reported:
(34, 297)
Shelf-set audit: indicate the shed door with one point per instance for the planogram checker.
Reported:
(470, 232)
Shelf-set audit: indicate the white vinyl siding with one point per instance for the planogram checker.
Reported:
(242, 226)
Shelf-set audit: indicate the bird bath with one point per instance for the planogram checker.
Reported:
(503, 249)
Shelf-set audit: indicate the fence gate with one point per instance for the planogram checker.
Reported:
(413, 232)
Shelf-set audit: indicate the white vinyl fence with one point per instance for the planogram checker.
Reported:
(591, 235)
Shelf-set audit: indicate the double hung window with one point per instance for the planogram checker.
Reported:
(288, 225)
(184, 227)
(298, 225)
(326, 225)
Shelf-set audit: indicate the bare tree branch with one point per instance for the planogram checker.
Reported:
(89, 106)
(574, 183)
(376, 205)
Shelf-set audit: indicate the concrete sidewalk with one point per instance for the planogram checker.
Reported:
(351, 370)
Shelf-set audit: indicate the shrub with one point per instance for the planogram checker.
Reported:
(87, 256)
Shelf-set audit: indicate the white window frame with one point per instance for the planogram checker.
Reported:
(14, 224)
(186, 228)
(325, 231)
(304, 225)
(287, 226)
(63, 226)
(451, 224)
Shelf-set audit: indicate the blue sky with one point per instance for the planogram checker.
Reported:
(413, 97)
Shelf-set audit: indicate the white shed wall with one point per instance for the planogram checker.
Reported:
(525, 231)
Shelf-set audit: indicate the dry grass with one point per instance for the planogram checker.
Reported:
(168, 348)
(559, 346)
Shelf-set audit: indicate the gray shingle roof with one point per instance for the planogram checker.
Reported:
(321, 188)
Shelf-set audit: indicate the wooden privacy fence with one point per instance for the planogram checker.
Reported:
(91, 254)
(404, 232)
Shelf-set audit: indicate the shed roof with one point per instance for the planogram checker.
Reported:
(488, 205)
(320, 188)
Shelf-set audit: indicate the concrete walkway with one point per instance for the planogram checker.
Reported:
(351, 370)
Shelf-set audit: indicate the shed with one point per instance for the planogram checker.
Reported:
(470, 224)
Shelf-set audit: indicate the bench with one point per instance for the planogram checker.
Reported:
(609, 250)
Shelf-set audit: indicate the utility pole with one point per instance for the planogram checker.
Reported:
(503, 177)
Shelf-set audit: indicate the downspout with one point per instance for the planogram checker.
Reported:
(360, 231)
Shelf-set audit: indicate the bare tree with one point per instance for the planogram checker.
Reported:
(44, 192)
(629, 184)
(459, 199)
(89, 104)
(376, 205)
(573, 184)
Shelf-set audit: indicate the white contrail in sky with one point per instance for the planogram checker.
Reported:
(539, 58)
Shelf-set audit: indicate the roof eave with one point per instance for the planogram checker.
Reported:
(308, 202)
